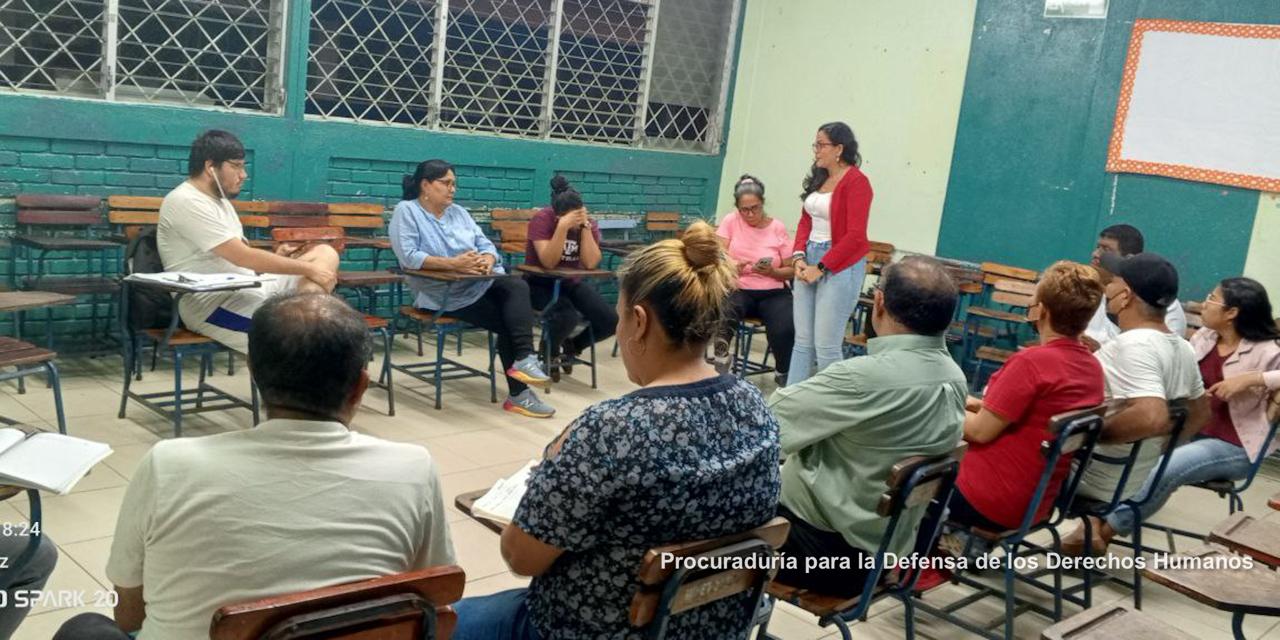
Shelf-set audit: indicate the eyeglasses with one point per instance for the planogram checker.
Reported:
(449, 184)
(752, 209)
(1209, 299)
(819, 145)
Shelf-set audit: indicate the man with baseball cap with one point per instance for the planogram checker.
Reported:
(1147, 365)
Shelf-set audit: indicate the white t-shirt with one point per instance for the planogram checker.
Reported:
(1103, 330)
(818, 206)
(288, 506)
(191, 225)
(1141, 363)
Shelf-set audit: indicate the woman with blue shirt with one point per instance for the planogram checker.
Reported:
(690, 455)
(430, 231)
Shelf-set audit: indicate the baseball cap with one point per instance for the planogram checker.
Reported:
(1150, 276)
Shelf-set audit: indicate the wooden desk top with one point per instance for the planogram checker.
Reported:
(564, 273)
(1250, 591)
(453, 276)
(1113, 621)
(465, 501)
(23, 300)
(1246, 534)
(1274, 502)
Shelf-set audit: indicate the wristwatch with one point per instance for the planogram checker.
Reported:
(822, 267)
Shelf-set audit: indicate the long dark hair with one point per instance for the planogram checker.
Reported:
(1254, 321)
(431, 170)
(838, 133)
(564, 198)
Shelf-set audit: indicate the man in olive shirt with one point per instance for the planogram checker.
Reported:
(845, 428)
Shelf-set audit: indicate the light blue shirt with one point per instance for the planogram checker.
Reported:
(417, 235)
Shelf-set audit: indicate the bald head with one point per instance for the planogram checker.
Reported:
(919, 295)
(308, 353)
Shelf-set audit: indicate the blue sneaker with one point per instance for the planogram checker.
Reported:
(526, 370)
(527, 403)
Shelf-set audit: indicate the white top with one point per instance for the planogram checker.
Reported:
(1141, 363)
(1103, 330)
(818, 206)
(191, 225)
(288, 506)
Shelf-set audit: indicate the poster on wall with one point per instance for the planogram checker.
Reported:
(1075, 8)
(1200, 101)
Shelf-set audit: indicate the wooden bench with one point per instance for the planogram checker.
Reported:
(1110, 621)
(411, 605)
(363, 223)
(1246, 534)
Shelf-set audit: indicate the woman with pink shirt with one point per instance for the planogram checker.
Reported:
(759, 247)
(1239, 353)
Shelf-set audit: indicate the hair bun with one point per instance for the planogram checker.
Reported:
(701, 246)
(560, 184)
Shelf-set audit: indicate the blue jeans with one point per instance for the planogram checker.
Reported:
(501, 616)
(822, 311)
(1198, 461)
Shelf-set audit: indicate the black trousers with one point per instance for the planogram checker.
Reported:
(578, 300)
(960, 512)
(505, 310)
(90, 626)
(806, 541)
(773, 306)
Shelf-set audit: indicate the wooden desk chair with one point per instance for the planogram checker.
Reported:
(744, 336)
(1236, 590)
(1115, 620)
(364, 225)
(661, 224)
(333, 236)
(912, 483)
(404, 606)
(1074, 435)
(1193, 309)
(1274, 502)
(878, 257)
(668, 590)
(512, 228)
(1008, 292)
(67, 227)
(28, 359)
(1250, 536)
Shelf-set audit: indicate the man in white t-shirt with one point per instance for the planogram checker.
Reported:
(298, 503)
(200, 232)
(1147, 365)
(1123, 240)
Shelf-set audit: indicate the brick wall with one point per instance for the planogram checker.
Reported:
(627, 192)
(480, 188)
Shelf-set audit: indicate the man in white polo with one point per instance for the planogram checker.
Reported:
(199, 232)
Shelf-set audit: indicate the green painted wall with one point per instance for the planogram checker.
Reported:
(893, 69)
(1263, 263)
(58, 145)
(1027, 183)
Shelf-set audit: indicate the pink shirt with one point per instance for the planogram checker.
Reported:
(748, 243)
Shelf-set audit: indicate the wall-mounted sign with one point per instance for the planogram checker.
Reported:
(1075, 8)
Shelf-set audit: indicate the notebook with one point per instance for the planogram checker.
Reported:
(500, 503)
(46, 461)
(199, 281)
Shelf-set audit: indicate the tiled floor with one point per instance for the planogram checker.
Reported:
(475, 443)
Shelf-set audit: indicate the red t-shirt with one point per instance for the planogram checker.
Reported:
(999, 478)
(1220, 425)
(542, 226)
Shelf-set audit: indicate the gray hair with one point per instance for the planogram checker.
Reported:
(748, 185)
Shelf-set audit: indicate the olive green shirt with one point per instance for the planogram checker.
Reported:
(844, 429)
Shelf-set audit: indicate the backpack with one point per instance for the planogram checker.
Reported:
(148, 308)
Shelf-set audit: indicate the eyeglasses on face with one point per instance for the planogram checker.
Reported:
(448, 184)
(817, 146)
(756, 208)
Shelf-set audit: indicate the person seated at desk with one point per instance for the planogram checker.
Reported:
(1122, 240)
(28, 578)
(1003, 465)
(297, 503)
(430, 231)
(1148, 365)
(844, 428)
(561, 236)
(1238, 351)
(759, 246)
(691, 455)
(200, 232)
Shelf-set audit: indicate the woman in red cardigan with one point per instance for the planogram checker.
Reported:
(830, 250)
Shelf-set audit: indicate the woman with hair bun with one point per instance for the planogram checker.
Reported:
(429, 230)
(759, 247)
(690, 455)
(563, 236)
(830, 251)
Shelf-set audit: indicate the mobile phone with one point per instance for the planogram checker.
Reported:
(764, 263)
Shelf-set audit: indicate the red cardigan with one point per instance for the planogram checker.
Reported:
(850, 208)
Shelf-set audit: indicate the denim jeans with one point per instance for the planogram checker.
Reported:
(501, 616)
(1197, 461)
(822, 311)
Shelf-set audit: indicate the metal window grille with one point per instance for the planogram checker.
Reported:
(217, 53)
(599, 86)
(691, 62)
(373, 60)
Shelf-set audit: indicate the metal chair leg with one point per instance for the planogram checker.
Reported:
(206, 363)
(441, 339)
(56, 383)
(254, 405)
(591, 335)
(386, 372)
(177, 393)
(493, 376)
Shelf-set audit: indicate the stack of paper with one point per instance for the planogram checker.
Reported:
(46, 461)
(199, 281)
(500, 503)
